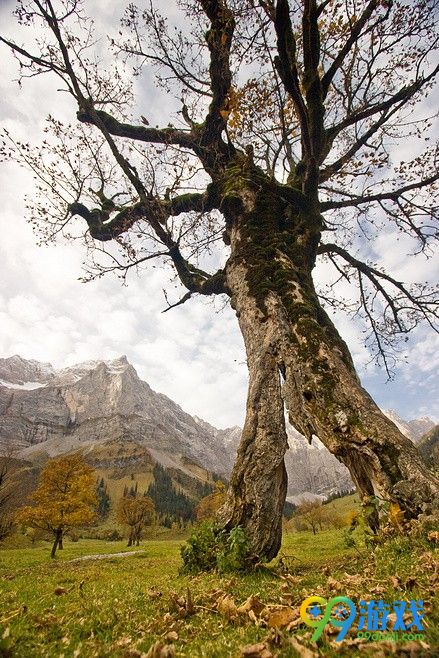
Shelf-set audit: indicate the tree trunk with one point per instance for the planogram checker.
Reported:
(58, 539)
(296, 356)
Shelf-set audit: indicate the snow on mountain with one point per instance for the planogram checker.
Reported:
(48, 411)
(412, 429)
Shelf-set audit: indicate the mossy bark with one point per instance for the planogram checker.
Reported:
(297, 359)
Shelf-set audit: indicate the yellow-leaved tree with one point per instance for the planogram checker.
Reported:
(135, 513)
(65, 498)
(209, 505)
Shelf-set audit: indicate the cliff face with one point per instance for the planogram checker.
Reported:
(44, 411)
(97, 402)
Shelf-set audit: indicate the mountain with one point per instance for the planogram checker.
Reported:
(412, 429)
(429, 446)
(104, 409)
(96, 402)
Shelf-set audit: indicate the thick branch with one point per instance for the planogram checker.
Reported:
(393, 195)
(140, 133)
(219, 40)
(286, 65)
(155, 212)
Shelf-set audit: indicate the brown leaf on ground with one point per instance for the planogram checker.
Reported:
(433, 536)
(59, 591)
(181, 605)
(378, 589)
(292, 580)
(172, 636)
(154, 593)
(252, 604)
(294, 624)
(161, 650)
(226, 606)
(301, 649)
(352, 579)
(412, 649)
(259, 650)
(288, 599)
(378, 649)
(334, 584)
(410, 582)
(280, 618)
(215, 595)
(396, 581)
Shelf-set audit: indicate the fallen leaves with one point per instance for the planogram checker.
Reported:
(161, 650)
(227, 607)
(181, 605)
(281, 617)
(301, 649)
(259, 650)
(252, 604)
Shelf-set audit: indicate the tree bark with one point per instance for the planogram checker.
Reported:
(56, 543)
(289, 338)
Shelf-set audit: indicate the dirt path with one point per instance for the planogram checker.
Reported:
(104, 556)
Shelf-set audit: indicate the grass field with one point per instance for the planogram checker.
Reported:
(120, 607)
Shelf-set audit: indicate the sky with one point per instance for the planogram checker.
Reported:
(194, 353)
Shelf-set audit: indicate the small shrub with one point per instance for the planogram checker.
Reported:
(209, 547)
(234, 551)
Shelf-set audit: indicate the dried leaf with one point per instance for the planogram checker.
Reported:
(172, 636)
(59, 591)
(227, 607)
(334, 584)
(259, 650)
(280, 618)
(378, 649)
(154, 593)
(251, 604)
(301, 649)
(410, 582)
(161, 650)
(294, 624)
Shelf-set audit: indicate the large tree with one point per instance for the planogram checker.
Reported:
(284, 149)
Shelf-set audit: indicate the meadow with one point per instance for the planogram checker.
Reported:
(139, 605)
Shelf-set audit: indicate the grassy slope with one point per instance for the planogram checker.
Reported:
(114, 614)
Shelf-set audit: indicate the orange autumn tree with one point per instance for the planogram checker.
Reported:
(136, 513)
(64, 499)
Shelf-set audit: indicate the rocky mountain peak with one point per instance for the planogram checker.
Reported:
(412, 429)
(100, 403)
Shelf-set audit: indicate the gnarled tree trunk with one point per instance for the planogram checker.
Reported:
(297, 358)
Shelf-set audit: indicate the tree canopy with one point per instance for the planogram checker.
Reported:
(136, 512)
(65, 498)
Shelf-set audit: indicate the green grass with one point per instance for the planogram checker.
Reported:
(111, 608)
